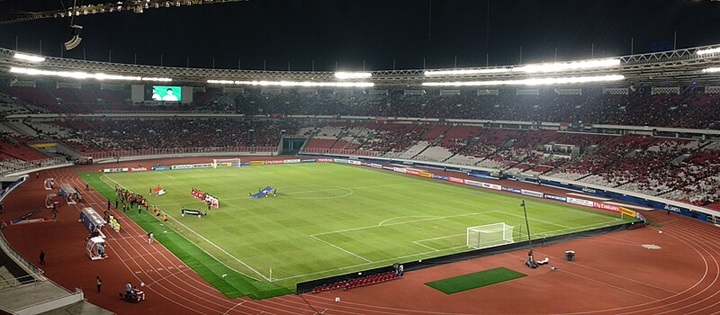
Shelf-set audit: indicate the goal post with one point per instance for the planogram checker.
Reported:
(490, 235)
(233, 162)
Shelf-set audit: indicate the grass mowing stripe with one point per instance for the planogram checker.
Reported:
(227, 281)
(326, 216)
(474, 280)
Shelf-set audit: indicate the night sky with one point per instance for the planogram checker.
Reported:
(347, 32)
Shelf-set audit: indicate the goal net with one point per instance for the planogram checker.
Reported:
(226, 162)
(489, 235)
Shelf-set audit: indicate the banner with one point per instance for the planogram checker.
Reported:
(43, 146)
(375, 165)
(270, 162)
(456, 180)
(139, 169)
(483, 176)
(531, 193)
(399, 170)
(426, 174)
(557, 198)
(440, 177)
(115, 170)
(160, 168)
(672, 208)
(603, 206)
(581, 202)
(473, 183)
(293, 161)
(412, 172)
(257, 163)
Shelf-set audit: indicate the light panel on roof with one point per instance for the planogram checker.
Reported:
(708, 51)
(533, 68)
(28, 58)
(352, 75)
(295, 83)
(73, 74)
(532, 81)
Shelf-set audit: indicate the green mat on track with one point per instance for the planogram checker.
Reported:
(474, 280)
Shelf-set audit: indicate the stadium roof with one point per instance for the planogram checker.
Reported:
(699, 65)
(338, 35)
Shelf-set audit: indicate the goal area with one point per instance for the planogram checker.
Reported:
(489, 235)
(234, 162)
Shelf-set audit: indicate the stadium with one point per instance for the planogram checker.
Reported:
(584, 182)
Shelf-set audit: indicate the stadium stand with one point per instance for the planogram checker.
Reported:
(681, 168)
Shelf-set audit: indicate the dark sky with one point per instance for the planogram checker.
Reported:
(348, 32)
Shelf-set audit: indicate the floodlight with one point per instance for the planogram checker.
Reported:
(28, 58)
(466, 71)
(533, 68)
(305, 84)
(575, 65)
(352, 75)
(157, 79)
(72, 74)
(708, 51)
(220, 82)
(532, 81)
(711, 70)
(295, 83)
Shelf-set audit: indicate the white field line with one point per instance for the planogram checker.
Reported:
(407, 216)
(426, 246)
(440, 237)
(213, 244)
(349, 189)
(412, 255)
(404, 222)
(342, 249)
(394, 259)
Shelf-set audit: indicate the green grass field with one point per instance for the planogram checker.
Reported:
(327, 219)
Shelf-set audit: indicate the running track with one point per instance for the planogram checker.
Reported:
(612, 275)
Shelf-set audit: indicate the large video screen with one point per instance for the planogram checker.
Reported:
(163, 93)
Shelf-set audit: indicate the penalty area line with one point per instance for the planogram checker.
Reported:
(342, 249)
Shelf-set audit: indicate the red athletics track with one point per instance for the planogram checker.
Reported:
(613, 273)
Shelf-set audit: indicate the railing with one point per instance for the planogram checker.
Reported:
(17, 281)
(342, 152)
(20, 166)
(167, 151)
(34, 273)
(169, 111)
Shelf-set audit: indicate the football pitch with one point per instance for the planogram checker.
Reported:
(327, 219)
